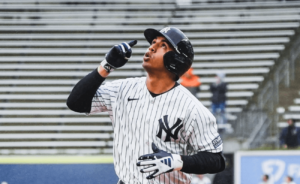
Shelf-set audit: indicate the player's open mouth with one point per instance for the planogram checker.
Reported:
(146, 56)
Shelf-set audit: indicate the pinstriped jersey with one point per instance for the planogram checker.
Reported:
(175, 121)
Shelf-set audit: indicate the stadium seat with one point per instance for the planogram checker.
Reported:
(55, 136)
(99, 120)
(45, 128)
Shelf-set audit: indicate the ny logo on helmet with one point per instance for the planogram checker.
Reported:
(165, 30)
(164, 125)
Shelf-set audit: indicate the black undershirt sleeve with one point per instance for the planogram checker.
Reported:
(203, 163)
(80, 98)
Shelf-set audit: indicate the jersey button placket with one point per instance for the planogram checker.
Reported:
(147, 123)
(145, 134)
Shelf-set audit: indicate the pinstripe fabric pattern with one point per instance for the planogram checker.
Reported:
(136, 118)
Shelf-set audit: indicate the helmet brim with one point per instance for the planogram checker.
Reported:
(150, 34)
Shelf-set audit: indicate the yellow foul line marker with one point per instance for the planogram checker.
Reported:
(55, 159)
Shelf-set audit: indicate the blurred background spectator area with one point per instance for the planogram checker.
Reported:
(46, 46)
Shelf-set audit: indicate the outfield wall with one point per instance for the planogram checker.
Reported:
(57, 170)
(250, 166)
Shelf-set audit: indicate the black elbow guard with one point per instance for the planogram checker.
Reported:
(203, 163)
(77, 107)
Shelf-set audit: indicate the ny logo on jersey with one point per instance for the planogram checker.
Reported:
(164, 125)
(165, 30)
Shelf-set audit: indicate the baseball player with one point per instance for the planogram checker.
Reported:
(162, 133)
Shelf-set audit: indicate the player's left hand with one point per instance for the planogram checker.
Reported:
(118, 56)
(160, 162)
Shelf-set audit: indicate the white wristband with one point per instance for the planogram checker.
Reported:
(106, 66)
(178, 163)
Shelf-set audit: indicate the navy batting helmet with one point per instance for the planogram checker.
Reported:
(177, 62)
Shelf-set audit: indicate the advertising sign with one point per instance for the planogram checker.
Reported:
(250, 166)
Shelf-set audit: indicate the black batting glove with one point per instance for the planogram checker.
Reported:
(159, 162)
(118, 56)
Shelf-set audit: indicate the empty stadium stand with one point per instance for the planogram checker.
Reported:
(293, 112)
(46, 46)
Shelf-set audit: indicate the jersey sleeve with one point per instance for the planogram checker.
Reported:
(204, 134)
(105, 96)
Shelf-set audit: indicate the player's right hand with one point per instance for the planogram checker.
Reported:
(159, 162)
(118, 56)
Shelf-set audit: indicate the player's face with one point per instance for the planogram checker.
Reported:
(153, 58)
